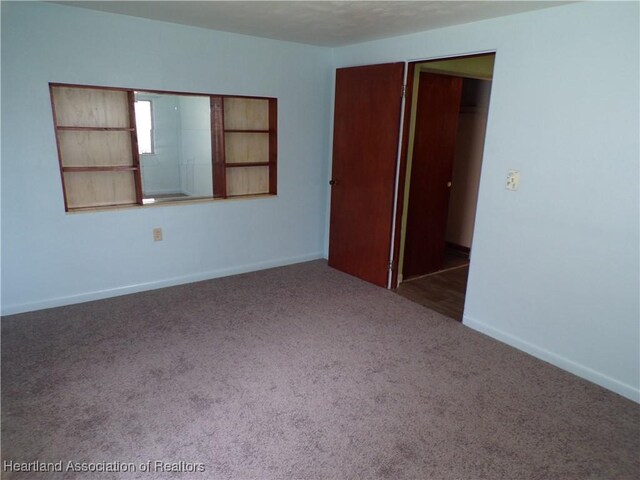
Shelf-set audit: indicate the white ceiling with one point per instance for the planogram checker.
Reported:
(329, 24)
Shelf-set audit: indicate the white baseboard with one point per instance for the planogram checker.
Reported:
(141, 287)
(564, 363)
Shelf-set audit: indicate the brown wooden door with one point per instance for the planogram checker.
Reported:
(437, 112)
(365, 146)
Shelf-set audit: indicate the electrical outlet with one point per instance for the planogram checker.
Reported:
(513, 180)
(157, 234)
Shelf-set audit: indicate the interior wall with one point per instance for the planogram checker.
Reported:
(555, 264)
(472, 124)
(52, 258)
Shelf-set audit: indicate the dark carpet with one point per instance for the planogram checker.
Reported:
(297, 372)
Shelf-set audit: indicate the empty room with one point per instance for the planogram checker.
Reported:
(229, 229)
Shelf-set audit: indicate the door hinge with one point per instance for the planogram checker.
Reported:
(391, 266)
(404, 91)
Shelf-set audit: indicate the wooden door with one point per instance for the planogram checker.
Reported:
(436, 127)
(365, 145)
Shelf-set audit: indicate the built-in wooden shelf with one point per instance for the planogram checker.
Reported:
(248, 146)
(233, 130)
(98, 153)
(100, 167)
(247, 164)
(97, 129)
(115, 168)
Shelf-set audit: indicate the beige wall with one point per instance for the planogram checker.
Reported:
(480, 67)
(466, 168)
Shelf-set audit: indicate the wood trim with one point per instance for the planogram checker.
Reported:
(402, 174)
(273, 146)
(266, 194)
(247, 164)
(217, 147)
(135, 155)
(146, 90)
(96, 129)
(247, 97)
(217, 139)
(55, 125)
(110, 206)
(117, 168)
(227, 130)
(90, 87)
(125, 89)
(165, 203)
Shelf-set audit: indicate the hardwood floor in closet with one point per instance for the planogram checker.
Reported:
(442, 291)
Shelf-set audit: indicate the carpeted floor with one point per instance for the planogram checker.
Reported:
(297, 372)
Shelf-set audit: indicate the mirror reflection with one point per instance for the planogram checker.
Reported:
(174, 142)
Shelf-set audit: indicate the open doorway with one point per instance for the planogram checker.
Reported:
(445, 123)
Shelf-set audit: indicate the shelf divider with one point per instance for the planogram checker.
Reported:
(115, 168)
(246, 164)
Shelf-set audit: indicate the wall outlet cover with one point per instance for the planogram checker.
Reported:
(513, 180)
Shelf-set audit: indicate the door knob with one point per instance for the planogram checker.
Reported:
(448, 184)
(333, 182)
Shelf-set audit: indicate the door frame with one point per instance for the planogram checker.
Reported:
(401, 167)
(394, 251)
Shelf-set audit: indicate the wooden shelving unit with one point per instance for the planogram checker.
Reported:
(97, 146)
(248, 145)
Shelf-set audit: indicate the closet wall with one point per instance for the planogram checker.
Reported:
(472, 124)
